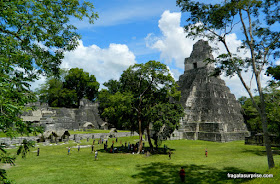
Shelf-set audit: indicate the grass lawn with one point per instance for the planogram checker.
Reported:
(55, 166)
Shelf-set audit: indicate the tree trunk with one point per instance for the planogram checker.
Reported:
(267, 142)
(140, 135)
(149, 138)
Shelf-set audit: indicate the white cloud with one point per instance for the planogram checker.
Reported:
(175, 47)
(104, 64)
(173, 44)
(37, 83)
(237, 88)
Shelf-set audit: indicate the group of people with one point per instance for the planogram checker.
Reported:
(128, 147)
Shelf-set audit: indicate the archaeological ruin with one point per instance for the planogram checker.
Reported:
(211, 112)
(57, 119)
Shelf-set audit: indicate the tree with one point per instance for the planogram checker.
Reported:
(257, 20)
(113, 86)
(82, 83)
(53, 93)
(145, 92)
(67, 89)
(117, 110)
(33, 38)
(272, 104)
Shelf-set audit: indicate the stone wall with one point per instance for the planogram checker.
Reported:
(76, 137)
(53, 118)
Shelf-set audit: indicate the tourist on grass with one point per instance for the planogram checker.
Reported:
(92, 147)
(116, 139)
(78, 148)
(206, 152)
(169, 154)
(182, 174)
(69, 150)
(96, 153)
(38, 151)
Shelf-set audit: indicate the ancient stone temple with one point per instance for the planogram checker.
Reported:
(211, 112)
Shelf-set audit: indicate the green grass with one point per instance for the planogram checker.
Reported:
(91, 131)
(55, 166)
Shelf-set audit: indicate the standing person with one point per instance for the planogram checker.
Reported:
(182, 174)
(38, 151)
(169, 154)
(206, 152)
(116, 139)
(92, 147)
(96, 153)
(78, 148)
(93, 141)
(69, 150)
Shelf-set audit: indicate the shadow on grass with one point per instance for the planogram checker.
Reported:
(275, 151)
(165, 173)
(120, 149)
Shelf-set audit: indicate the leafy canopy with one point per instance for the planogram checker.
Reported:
(34, 35)
(69, 88)
(142, 97)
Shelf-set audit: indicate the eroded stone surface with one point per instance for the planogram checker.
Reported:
(211, 112)
(65, 118)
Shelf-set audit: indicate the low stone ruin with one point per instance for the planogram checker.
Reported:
(57, 120)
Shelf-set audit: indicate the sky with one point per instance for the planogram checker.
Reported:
(136, 31)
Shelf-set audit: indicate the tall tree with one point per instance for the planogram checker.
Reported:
(82, 83)
(67, 89)
(258, 21)
(144, 88)
(33, 38)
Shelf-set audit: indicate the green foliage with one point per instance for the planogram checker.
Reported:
(69, 88)
(113, 86)
(275, 73)
(82, 83)
(143, 96)
(24, 148)
(34, 35)
(252, 118)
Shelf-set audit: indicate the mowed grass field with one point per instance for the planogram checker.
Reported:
(55, 166)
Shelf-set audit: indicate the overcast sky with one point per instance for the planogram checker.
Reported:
(136, 31)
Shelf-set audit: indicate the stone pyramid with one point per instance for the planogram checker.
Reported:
(211, 112)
